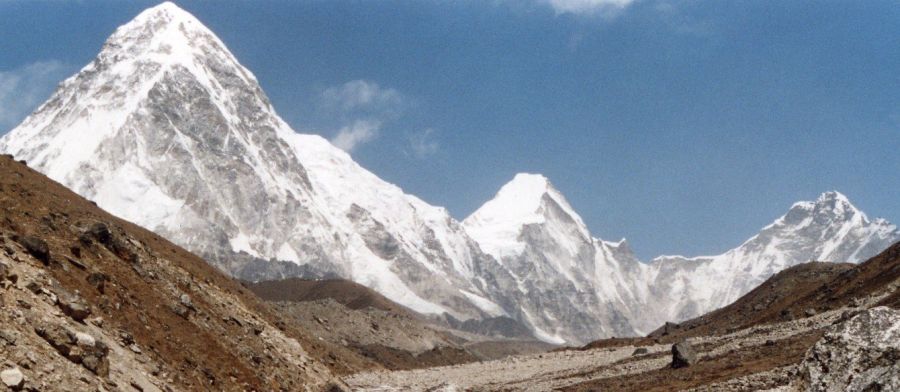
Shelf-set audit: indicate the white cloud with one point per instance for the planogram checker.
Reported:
(586, 7)
(363, 95)
(355, 134)
(360, 108)
(423, 143)
(23, 88)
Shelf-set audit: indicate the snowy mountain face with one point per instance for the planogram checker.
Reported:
(828, 229)
(546, 242)
(166, 129)
(574, 287)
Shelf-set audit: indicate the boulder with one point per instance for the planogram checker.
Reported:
(683, 355)
(13, 378)
(36, 247)
(98, 232)
(185, 301)
(78, 347)
(335, 387)
(73, 306)
(181, 310)
(6, 274)
(860, 354)
(639, 351)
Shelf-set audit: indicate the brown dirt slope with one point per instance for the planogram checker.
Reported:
(348, 293)
(735, 363)
(192, 327)
(354, 316)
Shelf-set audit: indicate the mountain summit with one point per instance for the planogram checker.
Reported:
(165, 128)
(827, 229)
(526, 199)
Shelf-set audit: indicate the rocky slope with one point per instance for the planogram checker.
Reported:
(92, 302)
(353, 316)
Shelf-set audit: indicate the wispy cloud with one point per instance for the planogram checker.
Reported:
(23, 88)
(355, 134)
(362, 106)
(587, 7)
(363, 95)
(423, 143)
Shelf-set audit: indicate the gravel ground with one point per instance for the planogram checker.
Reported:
(550, 371)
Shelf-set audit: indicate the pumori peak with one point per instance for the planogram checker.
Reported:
(166, 35)
(166, 129)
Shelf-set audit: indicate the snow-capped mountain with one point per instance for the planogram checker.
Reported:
(827, 229)
(165, 128)
(531, 229)
(574, 287)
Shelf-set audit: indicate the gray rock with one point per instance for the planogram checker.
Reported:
(861, 354)
(36, 247)
(98, 232)
(78, 347)
(8, 337)
(336, 387)
(13, 378)
(181, 310)
(639, 351)
(683, 355)
(185, 301)
(33, 287)
(73, 305)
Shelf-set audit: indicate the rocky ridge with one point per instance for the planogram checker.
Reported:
(91, 302)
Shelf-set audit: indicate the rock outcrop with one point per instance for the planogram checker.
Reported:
(861, 354)
(683, 355)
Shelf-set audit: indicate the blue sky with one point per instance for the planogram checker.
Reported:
(684, 126)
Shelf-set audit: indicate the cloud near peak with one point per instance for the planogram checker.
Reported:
(364, 95)
(586, 7)
(351, 136)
